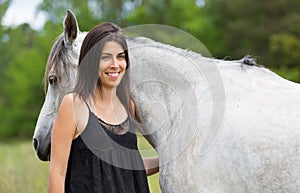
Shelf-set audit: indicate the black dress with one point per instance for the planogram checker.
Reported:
(104, 159)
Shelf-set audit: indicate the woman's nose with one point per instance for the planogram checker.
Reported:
(115, 62)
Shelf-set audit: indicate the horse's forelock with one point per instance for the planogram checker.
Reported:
(58, 58)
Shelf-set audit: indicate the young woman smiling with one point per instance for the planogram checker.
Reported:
(94, 144)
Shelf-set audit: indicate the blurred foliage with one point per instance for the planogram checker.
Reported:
(268, 30)
(21, 95)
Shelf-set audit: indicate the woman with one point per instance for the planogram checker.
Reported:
(93, 144)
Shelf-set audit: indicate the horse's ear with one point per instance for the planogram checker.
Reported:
(70, 27)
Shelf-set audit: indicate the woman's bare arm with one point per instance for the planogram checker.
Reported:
(63, 132)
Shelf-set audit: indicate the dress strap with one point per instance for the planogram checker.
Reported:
(86, 104)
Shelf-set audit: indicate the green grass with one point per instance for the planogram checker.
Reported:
(22, 171)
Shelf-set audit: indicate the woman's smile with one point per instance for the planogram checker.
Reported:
(112, 64)
(113, 75)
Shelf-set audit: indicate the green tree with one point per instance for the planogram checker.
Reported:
(4, 37)
(20, 102)
(189, 16)
(176, 13)
(268, 30)
(4, 4)
(89, 13)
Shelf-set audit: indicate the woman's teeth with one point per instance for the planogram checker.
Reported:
(114, 75)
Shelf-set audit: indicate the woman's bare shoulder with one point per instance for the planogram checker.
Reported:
(72, 99)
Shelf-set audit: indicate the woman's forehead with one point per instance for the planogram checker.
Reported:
(112, 47)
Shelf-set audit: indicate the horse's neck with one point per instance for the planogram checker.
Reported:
(172, 95)
(179, 93)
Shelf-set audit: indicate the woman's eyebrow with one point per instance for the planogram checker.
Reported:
(111, 54)
(106, 53)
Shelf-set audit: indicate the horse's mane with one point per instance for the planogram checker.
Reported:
(152, 43)
(57, 62)
(246, 60)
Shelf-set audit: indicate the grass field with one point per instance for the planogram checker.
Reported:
(22, 171)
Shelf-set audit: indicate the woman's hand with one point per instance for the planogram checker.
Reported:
(151, 165)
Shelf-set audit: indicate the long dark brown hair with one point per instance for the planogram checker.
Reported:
(88, 64)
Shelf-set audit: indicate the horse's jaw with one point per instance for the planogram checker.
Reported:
(42, 135)
(43, 129)
(42, 149)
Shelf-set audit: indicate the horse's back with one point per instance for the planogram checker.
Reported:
(260, 135)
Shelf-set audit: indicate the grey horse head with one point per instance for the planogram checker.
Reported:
(59, 79)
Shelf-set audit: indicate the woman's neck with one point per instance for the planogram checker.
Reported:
(108, 106)
(106, 96)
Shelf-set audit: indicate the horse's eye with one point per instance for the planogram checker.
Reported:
(52, 79)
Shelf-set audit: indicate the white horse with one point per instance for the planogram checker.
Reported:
(218, 126)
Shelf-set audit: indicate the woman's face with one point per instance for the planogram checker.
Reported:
(112, 64)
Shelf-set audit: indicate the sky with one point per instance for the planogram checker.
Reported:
(21, 11)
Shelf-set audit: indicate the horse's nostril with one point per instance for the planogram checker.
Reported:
(35, 143)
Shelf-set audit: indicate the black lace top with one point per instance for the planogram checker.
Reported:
(104, 159)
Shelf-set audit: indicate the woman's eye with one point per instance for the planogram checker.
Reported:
(105, 58)
(121, 56)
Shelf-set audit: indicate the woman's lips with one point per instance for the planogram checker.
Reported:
(113, 74)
